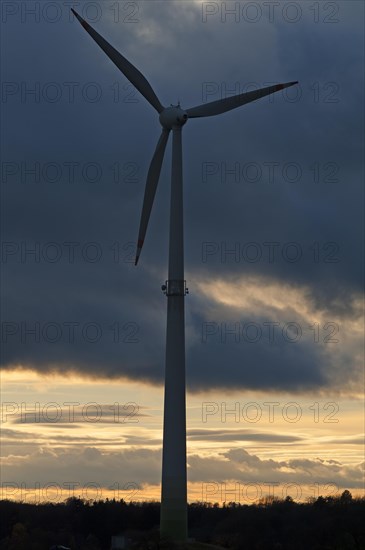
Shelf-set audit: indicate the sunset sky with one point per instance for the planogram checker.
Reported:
(273, 199)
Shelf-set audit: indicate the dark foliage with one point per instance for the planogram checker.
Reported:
(321, 524)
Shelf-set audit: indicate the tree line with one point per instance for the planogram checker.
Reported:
(324, 523)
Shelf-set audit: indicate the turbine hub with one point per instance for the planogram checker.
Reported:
(173, 116)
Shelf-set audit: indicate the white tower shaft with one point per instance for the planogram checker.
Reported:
(173, 522)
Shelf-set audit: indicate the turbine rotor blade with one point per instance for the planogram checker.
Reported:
(224, 105)
(150, 189)
(134, 76)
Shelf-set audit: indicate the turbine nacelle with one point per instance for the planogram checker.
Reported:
(173, 116)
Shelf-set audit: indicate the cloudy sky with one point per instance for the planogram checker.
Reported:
(273, 199)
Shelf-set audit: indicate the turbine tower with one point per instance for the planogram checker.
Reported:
(173, 519)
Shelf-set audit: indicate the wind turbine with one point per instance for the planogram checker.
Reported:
(173, 519)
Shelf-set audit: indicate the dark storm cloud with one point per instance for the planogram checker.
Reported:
(89, 309)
